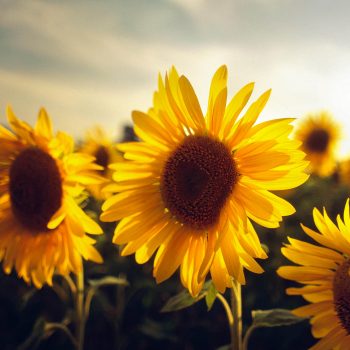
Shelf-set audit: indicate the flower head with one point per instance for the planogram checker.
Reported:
(324, 270)
(99, 145)
(42, 227)
(343, 171)
(319, 135)
(194, 182)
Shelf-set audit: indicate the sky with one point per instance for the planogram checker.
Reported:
(93, 62)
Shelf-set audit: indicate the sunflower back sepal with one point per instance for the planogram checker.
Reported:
(184, 299)
(210, 296)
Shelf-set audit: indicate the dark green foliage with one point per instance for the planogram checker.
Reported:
(129, 317)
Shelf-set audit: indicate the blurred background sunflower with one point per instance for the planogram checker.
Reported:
(103, 148)
(42, 227)
(320, 137)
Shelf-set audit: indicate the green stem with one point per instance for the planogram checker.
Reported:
(247, 336)
(71, 284)
(229, 315)
(80, 312)
(236, 307)
(59, 326)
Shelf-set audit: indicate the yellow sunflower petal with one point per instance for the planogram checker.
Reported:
(56, 219)
(248, 120)
(217, 100)
(330, 340)
(169, 258)
(44, 126)
(324, 325)
(86, 222)
(219, 274)
(21, 128)
(191, 103)
(235, 107)
(313, 309)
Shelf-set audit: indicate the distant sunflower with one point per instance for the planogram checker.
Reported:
(344, 171)
(324, 271)
(194, 182)
(102, 147)
(42, 227)
(320, 135)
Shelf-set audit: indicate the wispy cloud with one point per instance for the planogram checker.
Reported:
(74, 107)
(96, 61)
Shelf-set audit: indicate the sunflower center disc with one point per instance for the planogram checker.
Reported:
(35, 188)
(317, 141)
(341, 294)
(197, 179)
(102, 158)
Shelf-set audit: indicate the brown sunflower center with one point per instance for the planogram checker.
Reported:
(102, 157)
(35, 188)
(341, 294)
(317, 141)
(197, 179)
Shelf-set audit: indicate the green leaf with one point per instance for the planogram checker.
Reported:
(211, 296)
(184, 299)
(107, 281)
(274, 318)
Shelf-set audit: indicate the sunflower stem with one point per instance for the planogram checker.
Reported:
(80, 312)
(59, 326)
(71, 284)
(229, 315)
(247, 337)
(236, 307)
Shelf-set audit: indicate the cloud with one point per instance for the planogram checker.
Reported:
(94, 62)
(273, 21)
(74, 108)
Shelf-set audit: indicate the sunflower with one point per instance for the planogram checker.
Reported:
(320, 135)
(100, 146)
(344, 171)
(324, 271)
(193, 183)
(42, 227)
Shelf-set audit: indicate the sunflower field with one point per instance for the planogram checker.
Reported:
(200, 228)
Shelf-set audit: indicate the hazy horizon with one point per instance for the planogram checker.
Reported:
(90, 62)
